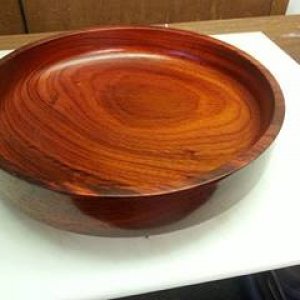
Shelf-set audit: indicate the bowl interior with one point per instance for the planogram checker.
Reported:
(129, 111)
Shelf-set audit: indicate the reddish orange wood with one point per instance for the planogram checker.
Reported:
(126, 118)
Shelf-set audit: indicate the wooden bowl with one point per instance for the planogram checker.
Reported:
(129, 128)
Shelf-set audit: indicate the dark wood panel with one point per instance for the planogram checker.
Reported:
(11, 20)
(70, 14)
(279, 7)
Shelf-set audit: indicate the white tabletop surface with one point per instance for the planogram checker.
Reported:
(260, 232)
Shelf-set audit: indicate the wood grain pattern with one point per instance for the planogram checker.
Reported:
(279, 7)
(126, 117)
(11, 21)
(70, 14)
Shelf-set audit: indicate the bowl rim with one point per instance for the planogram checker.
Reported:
(240, 161)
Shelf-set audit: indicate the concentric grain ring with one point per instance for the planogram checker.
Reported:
(128, 116)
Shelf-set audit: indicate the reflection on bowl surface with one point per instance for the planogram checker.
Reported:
(135, 125)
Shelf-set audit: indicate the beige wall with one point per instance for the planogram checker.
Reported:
(294, 7)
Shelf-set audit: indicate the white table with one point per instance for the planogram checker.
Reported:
(259, 233)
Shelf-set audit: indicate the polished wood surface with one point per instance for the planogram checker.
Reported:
(110, 99)
(73, 14)
(11, 20)
(283, 30)
(136, 124)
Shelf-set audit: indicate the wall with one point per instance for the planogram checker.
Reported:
(294, 7)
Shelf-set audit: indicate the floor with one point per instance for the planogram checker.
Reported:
(229, 289)
(282, 284)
